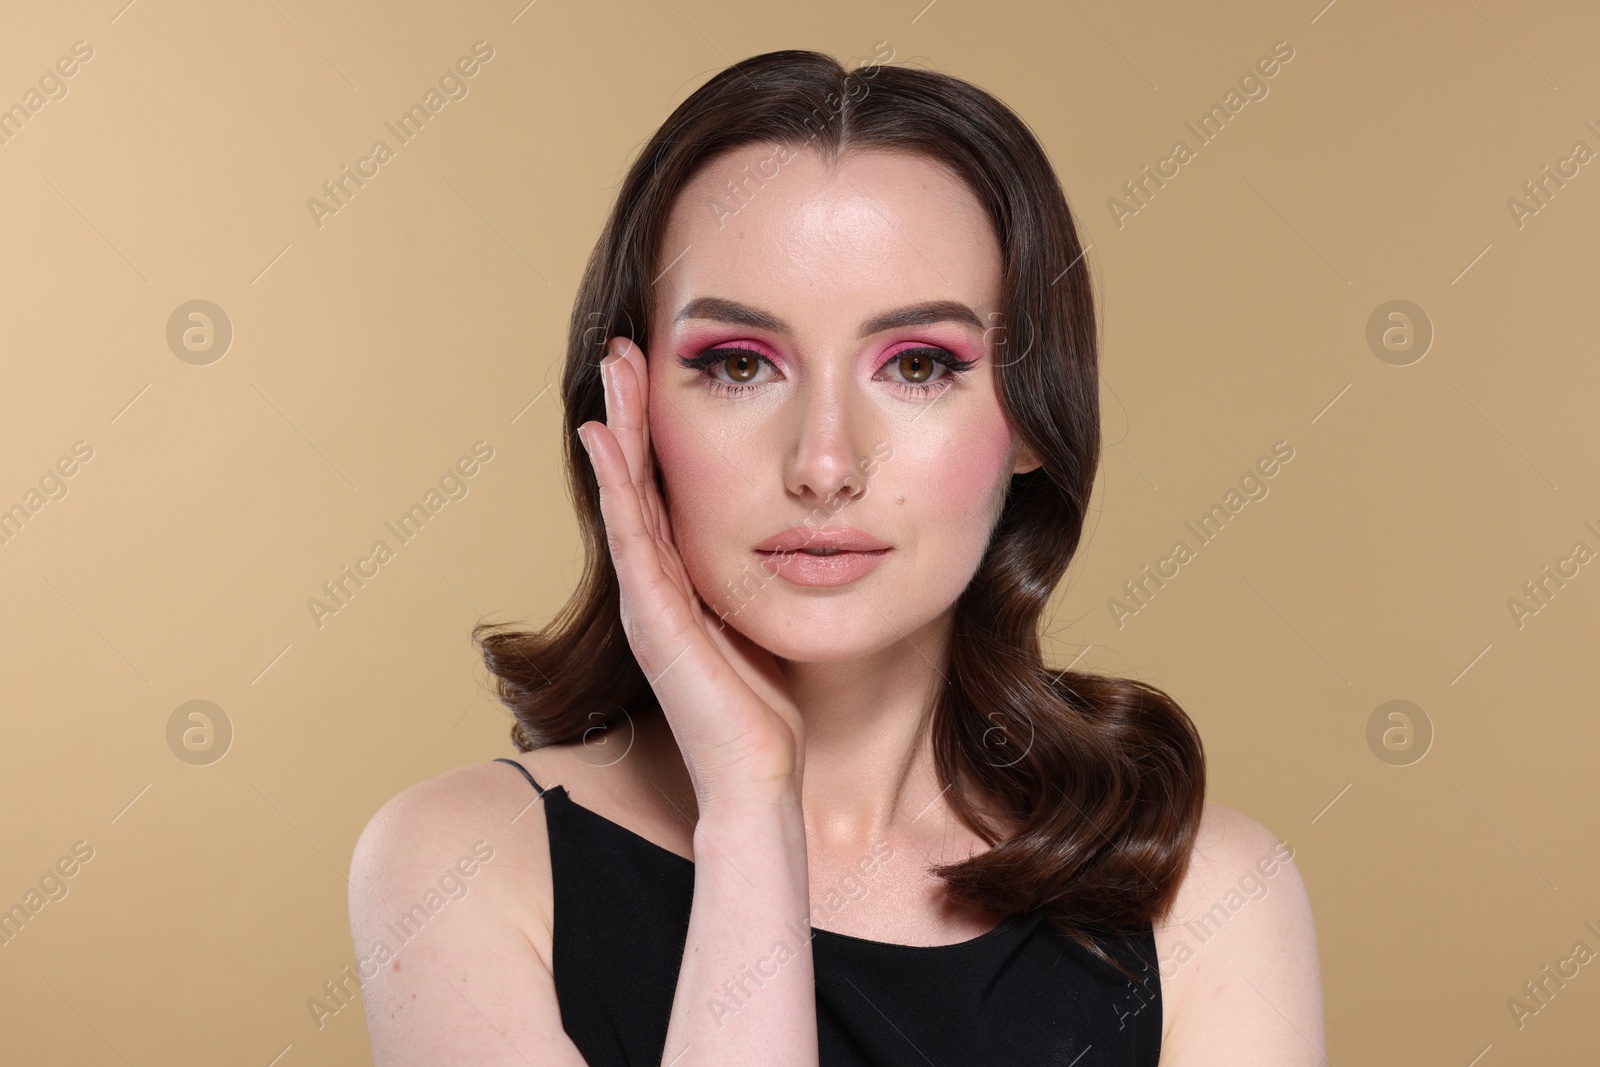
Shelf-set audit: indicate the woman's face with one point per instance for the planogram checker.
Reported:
(817, 411)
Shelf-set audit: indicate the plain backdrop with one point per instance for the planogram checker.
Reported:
(1441, 461)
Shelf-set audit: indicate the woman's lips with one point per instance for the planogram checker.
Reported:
(804, 568)
(801, 537)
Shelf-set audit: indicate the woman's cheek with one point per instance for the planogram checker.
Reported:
(694, 478)
(964, 475)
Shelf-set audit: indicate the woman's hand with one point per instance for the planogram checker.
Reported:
(740, 734)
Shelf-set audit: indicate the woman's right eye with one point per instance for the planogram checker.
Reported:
(741, 365)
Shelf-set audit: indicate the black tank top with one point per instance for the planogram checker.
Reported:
(1022, 995)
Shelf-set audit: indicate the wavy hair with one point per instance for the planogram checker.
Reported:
(1100, 781)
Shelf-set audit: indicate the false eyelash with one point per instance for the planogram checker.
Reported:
(954, 364)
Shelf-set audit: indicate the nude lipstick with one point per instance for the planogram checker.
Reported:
(814, 557)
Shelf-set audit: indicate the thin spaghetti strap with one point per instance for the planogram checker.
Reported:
(524, 770)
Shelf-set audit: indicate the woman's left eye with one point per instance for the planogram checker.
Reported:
(917, 366)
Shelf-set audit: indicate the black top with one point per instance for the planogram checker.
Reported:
(1021, 995)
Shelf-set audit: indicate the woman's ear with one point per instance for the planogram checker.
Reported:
(1025, 460)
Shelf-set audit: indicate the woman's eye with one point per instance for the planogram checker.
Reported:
(916, 365)
(741, 366)
(917, 369)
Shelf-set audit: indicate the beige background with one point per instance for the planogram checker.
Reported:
(429, 313)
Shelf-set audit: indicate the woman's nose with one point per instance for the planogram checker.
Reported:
(829, 446)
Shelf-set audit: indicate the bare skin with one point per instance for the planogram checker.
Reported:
(795, 738)
(497, 948)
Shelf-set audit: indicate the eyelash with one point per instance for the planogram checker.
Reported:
(954, 366)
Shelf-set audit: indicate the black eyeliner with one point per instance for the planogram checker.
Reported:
(939, 355)
(718, 355)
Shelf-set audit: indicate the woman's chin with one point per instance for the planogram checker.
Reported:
(833, 635)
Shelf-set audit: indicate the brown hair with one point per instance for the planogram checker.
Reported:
(1101, 779)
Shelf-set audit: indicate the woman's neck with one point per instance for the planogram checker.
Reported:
(868, 768)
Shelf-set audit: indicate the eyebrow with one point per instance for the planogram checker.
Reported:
(717, 309)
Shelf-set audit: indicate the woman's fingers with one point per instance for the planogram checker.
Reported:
(641, 394)
(620, 506)
(625, 408)
(660, 622)
(620, 455)
(632, 543)
(629, 394)
(650, 591)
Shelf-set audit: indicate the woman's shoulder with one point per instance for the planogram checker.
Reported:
(450, 902)
(495, 808)
(1237, 954)
(483, 797)
(484, 809)
(478, 797)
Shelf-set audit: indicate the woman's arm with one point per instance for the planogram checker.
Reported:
(468, 984)
(1239, 971)
(746, 992)
(463, 984)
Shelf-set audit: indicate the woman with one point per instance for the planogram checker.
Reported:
(810, 795)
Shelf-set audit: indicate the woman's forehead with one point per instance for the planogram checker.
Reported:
(752, 191)
(878, 230)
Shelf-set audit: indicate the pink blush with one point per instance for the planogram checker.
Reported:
(963, 470)
(685, 462)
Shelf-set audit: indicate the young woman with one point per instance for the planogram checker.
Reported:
(795, 785)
